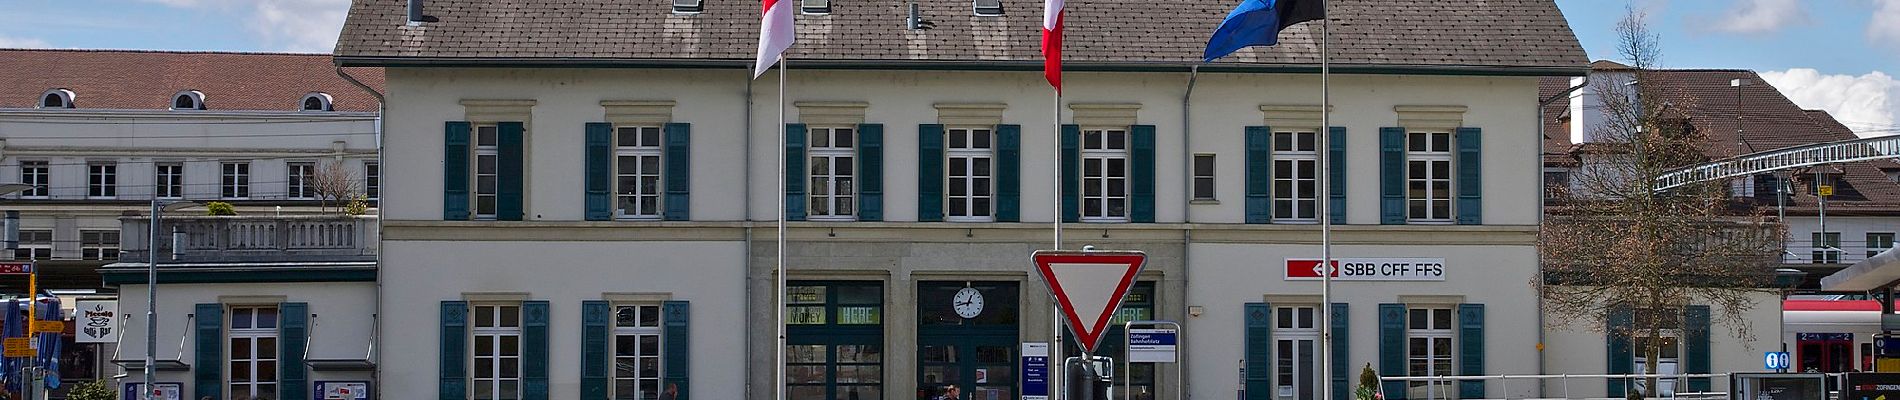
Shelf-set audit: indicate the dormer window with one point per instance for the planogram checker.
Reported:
(57, 98)
(316, 101)
(689, 6)
(989, 8)
(188, 100)
(815, 6)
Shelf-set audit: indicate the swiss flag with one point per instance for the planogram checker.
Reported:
(1052, 43)
(775, 35)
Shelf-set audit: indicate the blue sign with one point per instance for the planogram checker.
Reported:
(166, 391)
(1152, 345)
(1152, 338)
(1035, 371)
(1775, 360)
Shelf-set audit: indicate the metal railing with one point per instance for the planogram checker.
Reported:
(255, 239)
(1442, 386)
(1805, 251)
(1864, 149)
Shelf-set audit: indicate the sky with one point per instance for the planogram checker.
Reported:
(1839, 55)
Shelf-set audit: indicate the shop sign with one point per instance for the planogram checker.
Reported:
(97, 320)
(1872, 385)
(1369, 269)
(163, 391)
(342, 390)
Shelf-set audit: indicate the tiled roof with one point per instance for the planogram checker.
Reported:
(1494, 34)
(147, 80)
(1557, 144)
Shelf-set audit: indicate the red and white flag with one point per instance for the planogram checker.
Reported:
(775, 34)
(1052, 43)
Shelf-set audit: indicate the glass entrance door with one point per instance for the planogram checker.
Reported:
(967, 337)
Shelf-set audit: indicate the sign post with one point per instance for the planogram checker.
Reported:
(1088, 287)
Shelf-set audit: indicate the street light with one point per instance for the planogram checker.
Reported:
(159, 207)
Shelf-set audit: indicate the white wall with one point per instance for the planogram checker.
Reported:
(340, 330)
(1579, 348)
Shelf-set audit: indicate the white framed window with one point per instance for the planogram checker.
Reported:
(102, 179)
(487, 173)
(1295, 340)
(1105, 175)
(1428, 333)
(497, 351)
(637, 166)
(970, 154)
(57, 98)
(35, 244)
(302, 177)
(1826, 247)
(372, 180)
(188, 100)
(316, 101)
(1663, 327)
(34, 173)
(253, 356)
(1203, 176)
(833, 166)
(1295, 177)
(636, 352)
(1878, 242)
(99, 244)
(169, 180)
(236, 182)
(1428, 177)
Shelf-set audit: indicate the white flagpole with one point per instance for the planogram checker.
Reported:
(779, 388)
(1325, 196)
(1057, 362)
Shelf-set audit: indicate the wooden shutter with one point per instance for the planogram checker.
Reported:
(534, 350)
(795, 172)
(1141, 173)
(1470, 207)
(207, 372)
(455, 153)
(453, 352)
(676, 343)
(1258, 351)
(293, 331)
(1695, 321)
(599, 160)
(1009, 177)
(930, 175)
(1342, 351)
(870, 179)
(1071, 173)
(1392, 349)
(1259, 161)
(509, 159)
(596, 320)
(1471, 349)
(1336, 174)
(1392, 176)
(1617, 334)
(678, 172)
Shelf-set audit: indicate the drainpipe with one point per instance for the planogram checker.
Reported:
(1187, 192)
(1541, 187)
(747, 204)
(382, 108)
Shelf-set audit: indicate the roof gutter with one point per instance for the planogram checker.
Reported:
(1539, 156)
(382, 107)
(1074, 66)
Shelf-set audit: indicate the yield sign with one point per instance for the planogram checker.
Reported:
(1088, 287)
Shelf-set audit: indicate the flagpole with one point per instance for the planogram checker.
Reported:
(1325, 196)
(779, 388)
(1058, 363)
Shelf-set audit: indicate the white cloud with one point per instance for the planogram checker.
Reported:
(1748, 16)
(289, 25)
(22, 43)
(1885, 26)
(1868, 104)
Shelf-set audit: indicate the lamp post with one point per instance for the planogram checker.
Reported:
(32, 298)
(151, 289)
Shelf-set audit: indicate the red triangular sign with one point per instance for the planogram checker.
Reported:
(1088, 287)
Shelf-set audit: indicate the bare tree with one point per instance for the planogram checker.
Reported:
(1638, 45)
(335, 184)
(1615, 249)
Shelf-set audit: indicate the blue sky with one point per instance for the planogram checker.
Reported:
(1838, 55)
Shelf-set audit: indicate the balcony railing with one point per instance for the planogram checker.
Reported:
(1806, 251)
(240, 239)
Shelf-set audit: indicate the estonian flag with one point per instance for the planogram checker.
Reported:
(1259, 22)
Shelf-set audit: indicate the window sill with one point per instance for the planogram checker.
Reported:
(1104, 220)
(1204, 202)
(969, 220)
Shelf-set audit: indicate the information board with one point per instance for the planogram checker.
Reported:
(1035, 371)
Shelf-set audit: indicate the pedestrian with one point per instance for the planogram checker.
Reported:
(672, 392)
(950, 392)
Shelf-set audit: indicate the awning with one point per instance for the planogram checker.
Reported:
(1875, 272)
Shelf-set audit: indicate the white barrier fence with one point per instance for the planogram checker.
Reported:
(1445, 386)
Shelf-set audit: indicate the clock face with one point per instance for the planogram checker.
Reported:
(968, 303)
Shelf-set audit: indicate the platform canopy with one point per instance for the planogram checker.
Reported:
(1881, 270)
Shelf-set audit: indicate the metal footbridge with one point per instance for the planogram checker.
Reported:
(1864, 149)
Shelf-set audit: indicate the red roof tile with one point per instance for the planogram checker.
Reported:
(147, 80)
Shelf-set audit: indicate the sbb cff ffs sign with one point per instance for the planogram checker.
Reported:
(1369, 269)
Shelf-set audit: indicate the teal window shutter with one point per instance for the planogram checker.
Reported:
(1342, 352)
(599, 186)
(1259, 351)
(1618, 334)
(1009, 175)
(1392, 349)
(1071, 173)
(509, 147)
(676, 340)
(930, 175)
(1336, 174)
(870, 172)
(455, 152)
(1470, 206)
(595, 316)
(207, 373)
(795, 172)
(1259, 161)
(1392, 176)
(534, 350)
(293, 331)
(1142, 173)
(453, 367)
(678, 155)
(1696, 345)
(1471, 349)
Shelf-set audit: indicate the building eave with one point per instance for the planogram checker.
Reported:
(941, 65)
